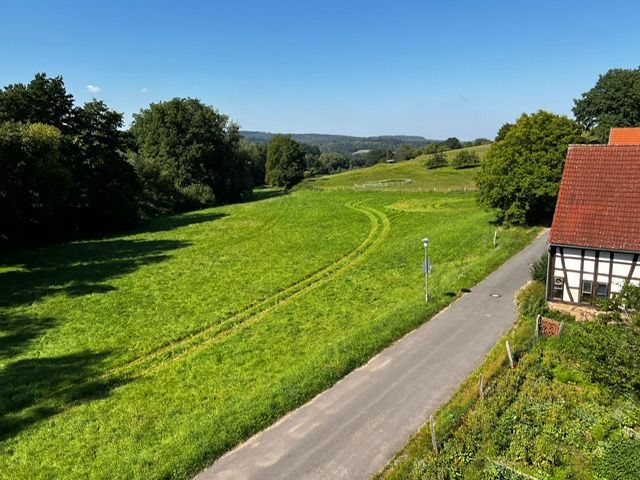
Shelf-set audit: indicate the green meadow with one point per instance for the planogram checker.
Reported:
(149, 355)
(409, 176)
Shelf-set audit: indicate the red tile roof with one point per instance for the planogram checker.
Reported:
(624, 136)
(599, 201)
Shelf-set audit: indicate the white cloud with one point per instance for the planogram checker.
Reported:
(144, 90)
(93, 89)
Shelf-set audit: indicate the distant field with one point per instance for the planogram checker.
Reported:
(151, 354)
(411, 175)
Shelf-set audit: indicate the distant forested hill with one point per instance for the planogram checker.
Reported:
(344, 143)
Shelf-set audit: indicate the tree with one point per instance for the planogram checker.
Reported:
(504, 129)
(614, 101)
(465, 159)
(196, 148)
(102, 187)
(451, 143)
(436, 160)
(34, 182)
(520, 175)
(406, 152)
(43, 100)
(285, 161)
(106, 187)
(333, 162)
(256, 158)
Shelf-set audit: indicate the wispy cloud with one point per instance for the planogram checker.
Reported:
(144, 90)
(93, 89)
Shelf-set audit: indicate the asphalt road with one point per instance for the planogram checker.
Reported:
(352, 429)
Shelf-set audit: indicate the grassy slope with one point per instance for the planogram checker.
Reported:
(570, 410)
(441, 179)
(148, 355)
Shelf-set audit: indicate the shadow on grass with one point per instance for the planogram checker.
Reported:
(265, 193)
(166, 223)
(77, 269)
(33, 389)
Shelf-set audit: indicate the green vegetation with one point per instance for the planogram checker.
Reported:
(151, 354)
(538, 269)
(411, 175)
(437, 160)
(62, 167)
(343, 143)
(285, 161)
(465, 159)
(520, 175)
(188, 154)
(570, 408)
(614, 101)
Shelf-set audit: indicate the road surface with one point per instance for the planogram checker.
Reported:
(352, 429)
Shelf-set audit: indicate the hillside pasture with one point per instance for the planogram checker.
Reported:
(409, 176)
(151, 354)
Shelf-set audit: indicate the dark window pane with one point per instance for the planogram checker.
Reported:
(602, 290)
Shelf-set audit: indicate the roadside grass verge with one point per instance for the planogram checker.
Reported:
(150, 355)
(570, 409)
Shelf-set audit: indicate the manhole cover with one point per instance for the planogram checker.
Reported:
(495, 295)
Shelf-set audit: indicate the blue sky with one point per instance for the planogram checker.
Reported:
(435, 69)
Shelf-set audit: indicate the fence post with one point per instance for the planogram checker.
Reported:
(434, 442)
(495, 238)
(537, 332)
(560, 327)
(481, 387)
(510, 355)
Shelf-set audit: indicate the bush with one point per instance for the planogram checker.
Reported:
(532, 300)
(465, 159)
(538, 269)
(436, 160)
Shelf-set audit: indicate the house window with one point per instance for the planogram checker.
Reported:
(587, 291)
(558, 288)
(602, 290)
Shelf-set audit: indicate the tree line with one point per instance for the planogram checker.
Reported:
(520, 176)
(68, 170)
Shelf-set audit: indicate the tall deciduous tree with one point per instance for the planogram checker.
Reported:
(102, 187)
(614, 101)
(285, 161)
(43, 100)
(34, 183)
(106, 187)
(193, 147)
(520, 175)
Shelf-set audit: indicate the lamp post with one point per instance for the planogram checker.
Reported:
(426, 267)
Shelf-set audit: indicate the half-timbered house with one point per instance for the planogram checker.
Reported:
(594, 244)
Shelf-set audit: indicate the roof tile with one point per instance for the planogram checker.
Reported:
(599, 200)
(624, 136)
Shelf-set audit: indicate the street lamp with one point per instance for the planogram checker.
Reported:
(426, 268)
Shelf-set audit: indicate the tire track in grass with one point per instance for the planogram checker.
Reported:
(379, 227)
(383, 226)
(203, 338)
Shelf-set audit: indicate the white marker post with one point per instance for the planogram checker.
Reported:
(434, 442)
(510, 355)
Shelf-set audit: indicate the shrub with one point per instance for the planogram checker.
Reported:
(538, 269)
(436, 160)
(465, 159)
(531, 299)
